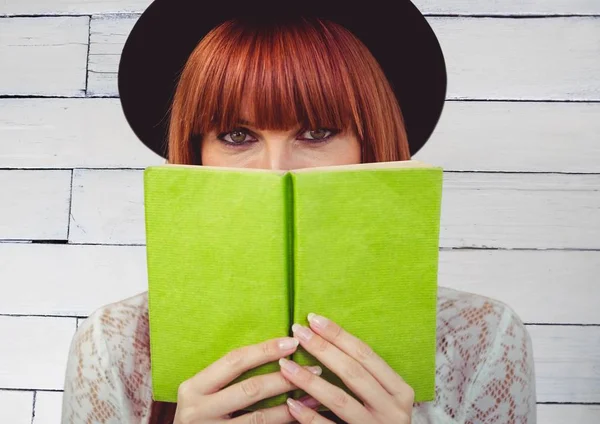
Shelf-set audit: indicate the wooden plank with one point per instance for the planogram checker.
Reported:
(48, 407)
(72, 7)
(36, 357)
(122, 211)
(35, 204)
(547, 414)
(88, 277)
(566, 363)
(509, 7)
(554, 287)
(107, 37)
(521, 65)
(565, 358)
(561, 414)
(550, 286)
(525, 59)
(69, 133)
(93, 133)
(16, 407)
(516, 136)
(47, 56)
(538, 211)
(468, 7)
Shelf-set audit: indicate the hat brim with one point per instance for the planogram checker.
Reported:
(396, 33)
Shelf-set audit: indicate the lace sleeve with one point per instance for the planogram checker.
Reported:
(503, 391)
(91, 389)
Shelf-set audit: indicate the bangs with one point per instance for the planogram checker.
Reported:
(276, 74)
(280, 73)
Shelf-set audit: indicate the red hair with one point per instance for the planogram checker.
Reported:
(292, 71)
(311, 72)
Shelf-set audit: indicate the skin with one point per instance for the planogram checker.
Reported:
(386, 397)
(279, 150)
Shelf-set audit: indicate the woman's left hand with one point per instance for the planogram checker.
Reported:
(387, 397)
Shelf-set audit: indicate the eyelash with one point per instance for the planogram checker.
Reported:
(246, 131)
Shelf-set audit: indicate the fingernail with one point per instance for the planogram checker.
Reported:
(317, 320)
(310, 402)
(289, 366)
(287, 343)
(302, 332)
(315, 369)
(295, 405)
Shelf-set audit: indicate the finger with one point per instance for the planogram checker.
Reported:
(353, 374)
(277, 414)
(387, 377)
(248, 391)
(234, 363)
(305, 415)
(337, 400)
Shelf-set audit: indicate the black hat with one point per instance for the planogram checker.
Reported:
(395, 32)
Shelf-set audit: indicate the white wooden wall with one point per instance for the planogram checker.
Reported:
(519, 140)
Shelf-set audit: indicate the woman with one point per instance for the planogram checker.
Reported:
(243, 100)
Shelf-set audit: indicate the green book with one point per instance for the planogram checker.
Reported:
(235, 256)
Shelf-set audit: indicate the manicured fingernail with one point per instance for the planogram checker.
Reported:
(295, 405)
(315, 369)
(310, 402)
(317, 320)
(287, 343)
(289, 366)
(302, 332)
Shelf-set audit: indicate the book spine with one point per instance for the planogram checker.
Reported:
(289, 231)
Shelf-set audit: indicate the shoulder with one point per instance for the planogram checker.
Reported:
(477, 325)
(113, 345)
(479, 341)
(122, 326)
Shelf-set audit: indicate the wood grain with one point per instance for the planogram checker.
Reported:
(88, 277)
(16, 407)
(107, 38)
(516, 137)
(479, 210)
(490, 58)
(553, 287)
(531, 211)
(561, 414)
(93, 133)
(486, 58)
(69, 133)
(47, 56)
(48, 407)
(120, 220)
(508, 7)
(463, 7)
(35, 204)
(565, 357)
(566, 363)
(36, 357)
(71, 7)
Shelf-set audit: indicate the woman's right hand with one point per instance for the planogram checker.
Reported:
(203, 400)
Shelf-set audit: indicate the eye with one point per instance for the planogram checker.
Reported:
(235, 137)
(320, 134)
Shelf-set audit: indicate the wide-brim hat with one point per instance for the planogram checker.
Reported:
(395, 32)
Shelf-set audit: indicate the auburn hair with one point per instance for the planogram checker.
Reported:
(292, 70)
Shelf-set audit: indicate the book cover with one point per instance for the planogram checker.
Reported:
(236, 256)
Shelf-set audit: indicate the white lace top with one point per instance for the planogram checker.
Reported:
(484, 365)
